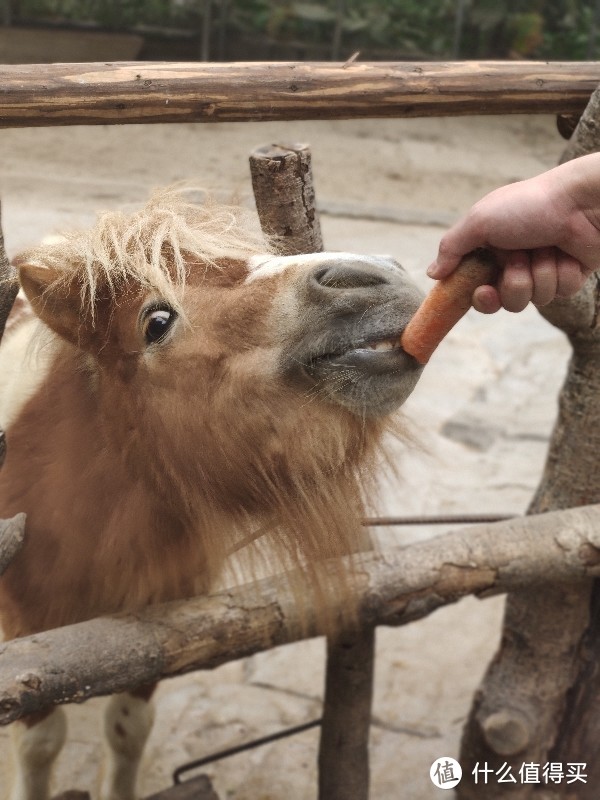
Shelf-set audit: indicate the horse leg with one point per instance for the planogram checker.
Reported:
(127, 725)
(36, 741)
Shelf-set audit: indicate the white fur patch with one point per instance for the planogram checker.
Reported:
(127, 725)
(34, 751)
(25, 360)
(266, 266)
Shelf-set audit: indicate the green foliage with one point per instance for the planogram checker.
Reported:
(569, 30)
(405, 25)
(550, 29)
(553, 29)
(116, 14)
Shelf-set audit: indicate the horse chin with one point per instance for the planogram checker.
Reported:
(371, 380)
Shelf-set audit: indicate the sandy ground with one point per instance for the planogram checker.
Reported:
(484, 410)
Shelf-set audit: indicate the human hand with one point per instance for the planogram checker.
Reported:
(545, 233)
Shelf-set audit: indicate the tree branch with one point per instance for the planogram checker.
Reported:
(112, 654)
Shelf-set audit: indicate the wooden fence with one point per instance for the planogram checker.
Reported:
(540, 698)
(132, 92)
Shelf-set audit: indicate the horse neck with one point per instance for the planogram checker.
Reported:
(57, 432)
(87, 514)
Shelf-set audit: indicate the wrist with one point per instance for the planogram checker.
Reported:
(579, 182)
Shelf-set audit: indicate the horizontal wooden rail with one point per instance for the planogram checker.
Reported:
(142, 92)
(112, 654)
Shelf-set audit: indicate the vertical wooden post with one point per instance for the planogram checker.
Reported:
(540, 699)
(285, 197)
(9, 288)
(285, 200)
(577, 736)
(12, 531)
(344, 746)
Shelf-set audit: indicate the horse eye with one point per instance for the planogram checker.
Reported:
(157, 323)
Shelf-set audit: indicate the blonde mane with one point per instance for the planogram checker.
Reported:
(152, 246)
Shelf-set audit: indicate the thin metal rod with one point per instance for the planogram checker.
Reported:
(439, 519)
(241, 748)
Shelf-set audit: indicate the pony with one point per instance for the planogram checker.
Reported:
(171, 390)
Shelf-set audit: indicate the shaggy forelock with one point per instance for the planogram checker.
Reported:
(153, 246)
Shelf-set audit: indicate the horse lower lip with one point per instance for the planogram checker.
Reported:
(372, 349)
(368, 360)
(388, 344)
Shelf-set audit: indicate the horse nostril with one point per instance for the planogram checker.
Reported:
(343, 276)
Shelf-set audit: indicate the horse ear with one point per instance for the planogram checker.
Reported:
(57, 303)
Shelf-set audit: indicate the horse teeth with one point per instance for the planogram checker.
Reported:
(386, 344)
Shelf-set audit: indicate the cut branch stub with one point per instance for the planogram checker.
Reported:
(566, 124)
(285, 197)
(507, 733)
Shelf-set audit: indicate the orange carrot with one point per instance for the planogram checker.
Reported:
(446, 303)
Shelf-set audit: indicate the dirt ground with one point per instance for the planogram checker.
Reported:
(483, 411)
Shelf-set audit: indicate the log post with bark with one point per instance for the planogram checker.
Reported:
(285, 200)
(12, 531)
(9, 289)
(576, 475)
(540, 699)
(284, 191)
(9, 285)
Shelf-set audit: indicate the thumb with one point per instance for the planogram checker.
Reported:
(456, 243)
